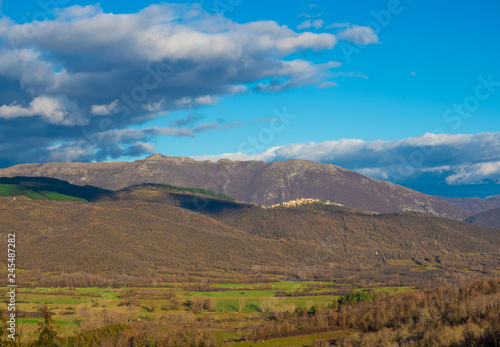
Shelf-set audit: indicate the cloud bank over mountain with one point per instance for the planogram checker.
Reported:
(461, 159)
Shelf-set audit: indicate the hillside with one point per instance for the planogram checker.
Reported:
(363, 239)
(43, 188)
(474, 205)
(163, 193)
(249, 181)
(489, 218)
(179, 236)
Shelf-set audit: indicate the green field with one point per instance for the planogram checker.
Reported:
(235, 306)
(193, 190)
(59, 197)
(18, 190)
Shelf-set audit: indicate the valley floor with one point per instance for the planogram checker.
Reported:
(270, 314)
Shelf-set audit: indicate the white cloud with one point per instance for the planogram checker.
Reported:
(160, 32)
(310, 15)
(359, 34)
(461, 158)
(238, 89)
(104, 110)
(356, 74)
(268, 155)
(201, 128)
(475, 174)
(304, 25)
(30, 70)
(318, 24)
(303, 72)
(204, 100)
(54, 109)
(79, 12)
(306, 40)
(112, 144)
(184, 102)
(338, 25)
(138, 149)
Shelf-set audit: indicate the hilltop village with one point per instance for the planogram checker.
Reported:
(303, 201)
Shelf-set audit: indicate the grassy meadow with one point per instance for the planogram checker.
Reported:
(34, 193)
(233, 307)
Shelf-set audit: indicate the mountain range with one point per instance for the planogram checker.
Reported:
(475, 205)
(249, 181)
(155, 233)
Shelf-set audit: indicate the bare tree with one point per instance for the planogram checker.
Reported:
(241, 304)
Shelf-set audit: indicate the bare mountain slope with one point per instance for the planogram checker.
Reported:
(251, 181)
(489, 218)
(474, 205)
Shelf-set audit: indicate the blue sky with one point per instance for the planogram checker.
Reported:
(399, 90)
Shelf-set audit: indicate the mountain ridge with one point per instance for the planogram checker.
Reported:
(249, 181)
(490, 218)
(475, 205)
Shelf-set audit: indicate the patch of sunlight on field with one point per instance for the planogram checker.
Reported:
(52, 300)
(225, 335)
(295, 341)
(307, 301)
(389, 290)
(60, 197)
(235, 294)
(401, 262)
(58, 322)
(284, 285)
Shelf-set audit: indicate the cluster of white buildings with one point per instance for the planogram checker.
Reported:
(304, 201)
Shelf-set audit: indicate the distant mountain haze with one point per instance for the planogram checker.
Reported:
(489, 218)
(249, 181)
(474, 205)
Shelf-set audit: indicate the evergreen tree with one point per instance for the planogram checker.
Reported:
(46, 330)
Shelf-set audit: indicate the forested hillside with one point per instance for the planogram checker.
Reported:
(150, 234)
